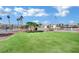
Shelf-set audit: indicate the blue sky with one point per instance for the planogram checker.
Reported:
(41, 14)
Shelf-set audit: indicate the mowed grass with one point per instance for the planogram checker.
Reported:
(41, 42)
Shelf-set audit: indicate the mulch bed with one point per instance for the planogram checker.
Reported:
(5, 35)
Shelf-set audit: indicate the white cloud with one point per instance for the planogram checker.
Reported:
(5, 11)
(41, 14)
(15, 13)
(8, 10)
(25, 12)
(18, 9)
(34, 12)
(62, 11)
(1, 8)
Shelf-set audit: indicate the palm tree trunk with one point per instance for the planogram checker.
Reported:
(18, 24)
(9, 23)
(21, 24)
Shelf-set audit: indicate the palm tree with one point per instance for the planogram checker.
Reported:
(78, 25)
(8, 20)
(18, 21)
(21, 20)
(32, 26)
(0, 18)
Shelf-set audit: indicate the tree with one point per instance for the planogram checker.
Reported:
(18, 21)
(77, 23)
(32, 26)
(21, 20)
(40, 25)
(0, 18)
(8, 20)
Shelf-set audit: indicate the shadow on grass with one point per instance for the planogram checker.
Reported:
(34, 31)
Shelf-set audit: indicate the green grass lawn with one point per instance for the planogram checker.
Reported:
(41, 42)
